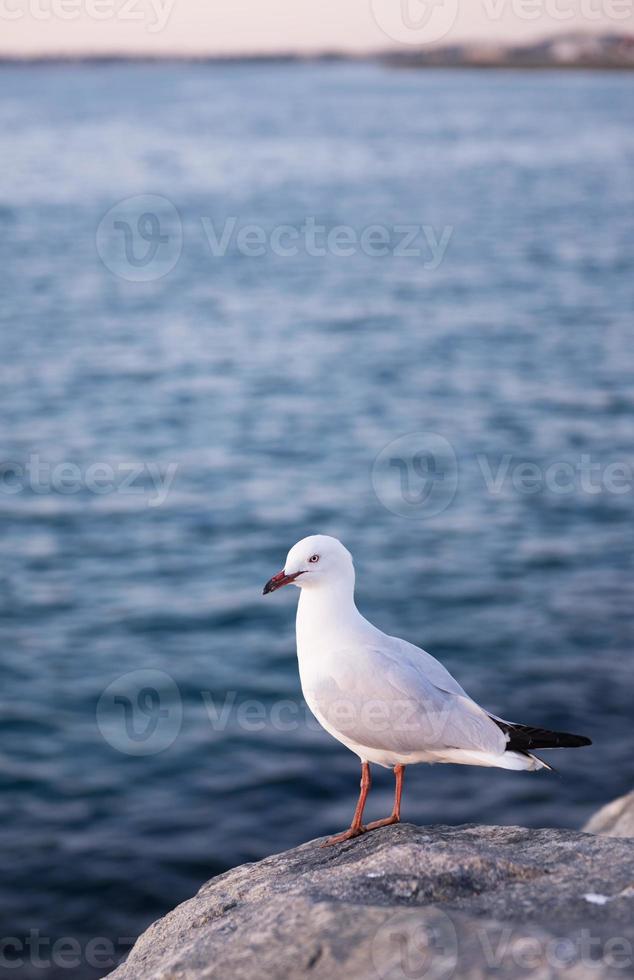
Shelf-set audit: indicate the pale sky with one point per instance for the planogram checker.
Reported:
(233, 26)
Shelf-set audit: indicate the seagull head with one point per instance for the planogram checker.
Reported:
(314, 562)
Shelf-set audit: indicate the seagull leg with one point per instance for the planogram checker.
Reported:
(356, 827)
(396, 809)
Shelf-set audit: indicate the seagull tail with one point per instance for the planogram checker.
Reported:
(524, 738)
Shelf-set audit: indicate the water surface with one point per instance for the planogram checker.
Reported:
(272, 383)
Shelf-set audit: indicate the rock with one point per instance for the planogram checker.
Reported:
(616, 819)
(408, 903)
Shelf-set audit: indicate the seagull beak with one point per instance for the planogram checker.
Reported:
(278, 581)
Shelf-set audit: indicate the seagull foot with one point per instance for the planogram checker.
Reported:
(347, 835)
(383, 823)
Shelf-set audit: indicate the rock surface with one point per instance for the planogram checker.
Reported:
(616, 819)
(408, 903)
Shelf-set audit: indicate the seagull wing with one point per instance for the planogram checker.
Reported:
(434, 671)
(386, 696)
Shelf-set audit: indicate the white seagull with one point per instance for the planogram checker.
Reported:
(388, 701)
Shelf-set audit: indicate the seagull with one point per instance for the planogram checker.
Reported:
(388, 701)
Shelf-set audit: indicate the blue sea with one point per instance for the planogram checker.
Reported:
(244, 303)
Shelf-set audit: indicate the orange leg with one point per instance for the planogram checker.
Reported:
(395, 816)
(356, 827)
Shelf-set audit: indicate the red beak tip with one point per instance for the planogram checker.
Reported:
(278, 581)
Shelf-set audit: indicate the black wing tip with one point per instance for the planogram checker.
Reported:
(527, 738)
(582, 740)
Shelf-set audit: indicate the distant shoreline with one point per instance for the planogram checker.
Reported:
(211, 59)
(588, 52)
(115, 61)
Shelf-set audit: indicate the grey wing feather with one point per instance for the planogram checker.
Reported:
(432, 668)
(396, 697)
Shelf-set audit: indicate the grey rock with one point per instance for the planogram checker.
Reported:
(616, 819)
(408, 903)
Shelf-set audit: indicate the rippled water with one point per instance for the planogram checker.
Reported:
(265, 387)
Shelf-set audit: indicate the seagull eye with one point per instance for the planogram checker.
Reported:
(313, 559)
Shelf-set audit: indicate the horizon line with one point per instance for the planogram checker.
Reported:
(295, 54)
